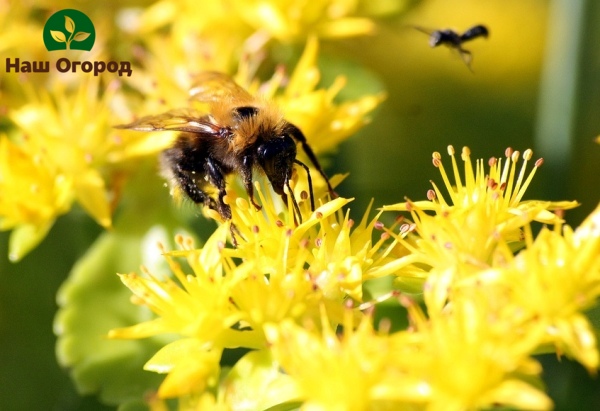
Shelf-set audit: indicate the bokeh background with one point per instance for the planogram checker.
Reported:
(535, 84)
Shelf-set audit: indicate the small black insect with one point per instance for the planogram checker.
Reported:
(452, 39)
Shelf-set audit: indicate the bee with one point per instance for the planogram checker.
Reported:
(454, 40)
(237, 134)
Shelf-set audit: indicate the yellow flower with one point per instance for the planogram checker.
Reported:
(468, 355)
(199, 309)
(71, 131)
(485, 209)
(330, 371)
(199, 306)
(68, 136)
(275, 253)
(288, 20)
(554, 280)
(34, 194)
(278, 272)
(284, 20)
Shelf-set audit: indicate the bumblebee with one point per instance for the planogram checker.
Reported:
(454, 40)
(238, 133)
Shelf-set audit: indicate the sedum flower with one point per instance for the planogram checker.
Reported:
(554, 281)
(332, 371)
(288, 20)
(485, 208)
(68, 135)
(284, 20)
(468, 355)
(278, 272)
(198, 309)
(34, 194)
(64, 130)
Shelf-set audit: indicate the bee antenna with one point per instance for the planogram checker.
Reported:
(310, 186)
(298, 136)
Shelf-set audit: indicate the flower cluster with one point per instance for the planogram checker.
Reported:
(293, 295)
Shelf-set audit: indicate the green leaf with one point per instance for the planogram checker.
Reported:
(93, 300)
(25, 238)
(69, 24)
(58, 36)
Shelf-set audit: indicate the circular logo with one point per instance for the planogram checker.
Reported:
(69, 29)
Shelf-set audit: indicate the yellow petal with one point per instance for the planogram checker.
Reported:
(91, 194)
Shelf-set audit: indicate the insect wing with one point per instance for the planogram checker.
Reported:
(423, 30)
(213, 86)
(178, 120)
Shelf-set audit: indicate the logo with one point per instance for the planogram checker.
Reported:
(69, 29)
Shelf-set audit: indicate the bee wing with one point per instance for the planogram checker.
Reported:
(178, 120)
(212, 86)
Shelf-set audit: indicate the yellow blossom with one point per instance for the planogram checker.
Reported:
(67, 135)
(288, 20)
(468, 355)
(198, 309)
(34, 194)
(330, 371)
(199, 306)
(554, 281)
(199, 402)
(485, 208)
(71, 131)
(284, 20)
(276, 273)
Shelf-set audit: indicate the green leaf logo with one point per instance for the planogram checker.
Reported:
(58, 36)
(69, 24)
(69, 29)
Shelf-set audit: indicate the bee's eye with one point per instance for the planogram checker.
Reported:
(276, 157)
(245, 112)
(276, 150)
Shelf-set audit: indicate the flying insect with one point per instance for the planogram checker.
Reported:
(454, 40)
(237, 134)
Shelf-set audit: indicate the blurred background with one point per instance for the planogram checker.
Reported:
(535, 84)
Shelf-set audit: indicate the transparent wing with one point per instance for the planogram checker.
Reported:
(183, 119)
(212, 86)
(423, 29)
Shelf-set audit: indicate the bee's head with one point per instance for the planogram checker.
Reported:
(276, 157)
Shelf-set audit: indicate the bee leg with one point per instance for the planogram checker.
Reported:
(298, 136)
(187, 183)
(310, 187)
(217, 179)
(215, 176)
(297, 221)
(246, 173)
(234, 230)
